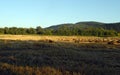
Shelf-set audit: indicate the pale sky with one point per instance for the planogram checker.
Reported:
(44, 13)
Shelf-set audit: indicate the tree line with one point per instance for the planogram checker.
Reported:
(63, 30)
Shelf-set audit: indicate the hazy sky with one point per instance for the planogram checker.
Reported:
(44, 13)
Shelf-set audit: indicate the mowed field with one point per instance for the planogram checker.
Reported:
(59, 55)
(79, 39)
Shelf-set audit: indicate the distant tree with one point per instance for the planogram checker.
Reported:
(39, 30)
(21, 31)
(62, 30)
(48, 31)
(6, 30)
(1, 31)
(12, 30)
(31, 31)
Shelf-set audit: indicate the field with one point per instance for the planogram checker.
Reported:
(59, 55)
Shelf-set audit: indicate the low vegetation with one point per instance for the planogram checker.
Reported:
(7, 69)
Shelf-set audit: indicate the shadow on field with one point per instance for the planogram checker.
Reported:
(86, 58)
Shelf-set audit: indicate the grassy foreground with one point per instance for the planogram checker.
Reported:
(59, 55)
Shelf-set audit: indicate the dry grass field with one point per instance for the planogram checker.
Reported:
(79, 39)
(59, 55)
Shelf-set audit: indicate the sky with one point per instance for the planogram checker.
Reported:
(44, 13)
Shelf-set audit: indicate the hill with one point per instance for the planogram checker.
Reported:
(90, 28)
(90, 24)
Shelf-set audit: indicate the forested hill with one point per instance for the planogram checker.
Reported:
(80, 28)
(114, 26)
(79, 24)
(90, 24)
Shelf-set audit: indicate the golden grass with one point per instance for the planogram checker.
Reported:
(57, 38)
